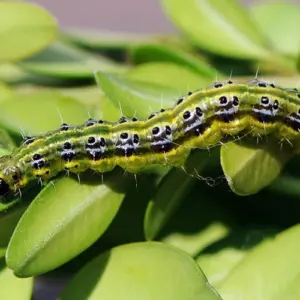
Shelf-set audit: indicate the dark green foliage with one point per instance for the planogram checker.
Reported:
(210, 242)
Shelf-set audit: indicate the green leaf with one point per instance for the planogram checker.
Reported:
(24, 30)
(217, 265)
(65, 61)
(12, 287)
(193, 242)
(38, 112)
(283, 34)
(141, 271)
(287, 185)
(6, 143)
(202, 219)
(171, 190)
(221, 27)
(5, 92)
(220, 258)
(177, 55)
(11, 73)
(270, 271)
(9, 219)
(136, 97)
(169, 74)
(105, 39)
(89, 96)
(2, 252)
(63, 220)
(249, 168)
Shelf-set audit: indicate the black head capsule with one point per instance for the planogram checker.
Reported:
(4, 188)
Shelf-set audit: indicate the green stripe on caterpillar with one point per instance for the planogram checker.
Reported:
(199, 119)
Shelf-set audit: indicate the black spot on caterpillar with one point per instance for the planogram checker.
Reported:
(199, 119)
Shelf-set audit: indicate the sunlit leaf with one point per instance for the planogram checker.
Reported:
(141, 271)
(136, 97)
(64, 61)
(60, 223)
(249, 168)
(24, 30)
(221, 27)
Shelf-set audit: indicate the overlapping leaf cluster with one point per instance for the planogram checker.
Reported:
(125, 237)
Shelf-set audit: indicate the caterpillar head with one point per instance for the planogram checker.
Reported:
(9, 176)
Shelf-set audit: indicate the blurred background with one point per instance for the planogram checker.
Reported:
(129, 15)
(140, 16)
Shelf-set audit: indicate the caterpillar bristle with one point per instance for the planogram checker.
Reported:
(201, 119)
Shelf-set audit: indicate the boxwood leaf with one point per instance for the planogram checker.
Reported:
(177, 55)
(9, 219)
(220, 258)
(287, 185)
(141, 271)
(106, 39)
(248, 168)
(169, 74)
(287, 16)
(135, 97)
(65, 61)
(171, 190)
(62, 221)
(46, 110)
(12, 287)
(6, 143)
(275, 263)
(5, 91)
(24, 30)
(221, 27)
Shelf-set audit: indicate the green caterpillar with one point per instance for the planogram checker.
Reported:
(197, 120)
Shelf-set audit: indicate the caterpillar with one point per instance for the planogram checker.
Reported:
(197, 120)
